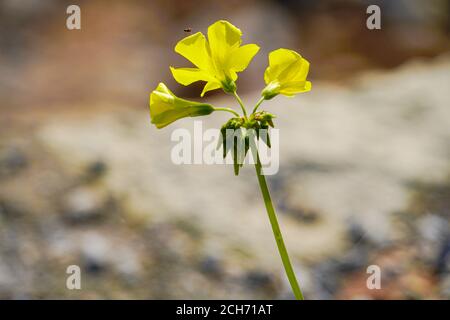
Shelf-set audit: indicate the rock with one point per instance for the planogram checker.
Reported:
(7, 282)
(326, 277)
(259, 280)
(86, 204)
(354, 259)
(95, 170)
(12, 160)
(303, 215)
(211, 266)
(442, 265)
(445, 287)
(433, 239)
(432, 227)
(127, 263)
(356, 233)
(10, 209)
(95, 253)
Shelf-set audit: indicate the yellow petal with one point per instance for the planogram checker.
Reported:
(223, 37)
(242, 56)
(194, 48)
(161, 100)
(303, 72)
(279, 61)
(166, 108)
(186, 76)
(297, 71)
(162, 94)
(294, 87)
(210, 86)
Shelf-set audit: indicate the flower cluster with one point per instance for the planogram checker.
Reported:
(217, 61)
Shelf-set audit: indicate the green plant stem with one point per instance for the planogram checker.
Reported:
(277, 232)
(241, 104)
(227, 110)
(258, 104)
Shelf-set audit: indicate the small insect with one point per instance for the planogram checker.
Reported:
(187, 30)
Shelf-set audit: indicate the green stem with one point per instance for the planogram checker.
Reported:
(277, 232)
(258, 104)
(240, 103)
(227, 110)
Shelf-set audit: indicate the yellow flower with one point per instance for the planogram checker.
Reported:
(166, 108)
(217, 59)
(286, 74)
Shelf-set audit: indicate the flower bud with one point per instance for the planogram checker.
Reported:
(166, 108)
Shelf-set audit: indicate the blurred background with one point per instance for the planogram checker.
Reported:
(86, 180)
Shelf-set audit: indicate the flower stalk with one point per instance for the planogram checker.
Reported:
(277, 232)
(239, 100)
(227, 110)
(258, 104)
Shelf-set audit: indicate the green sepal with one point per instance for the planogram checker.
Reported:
(230, 140)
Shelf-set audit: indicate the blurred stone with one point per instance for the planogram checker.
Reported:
(352, 260)
(96, 253)
(95, 170)
(433, 232)
(127, 262)
(211, 266)
(6, 282)
(86, 204)
(10, 209)
(303, 215)
(328, 274)
(326, 278)
(445, 287)
(356, 233)
(12, 160)
(259, 280)
(442, 265)
(432, 227)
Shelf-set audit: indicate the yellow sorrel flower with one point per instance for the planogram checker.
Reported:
(166, 108)
(286, 74)
(217, 59)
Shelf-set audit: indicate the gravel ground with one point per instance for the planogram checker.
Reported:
(364, 179)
